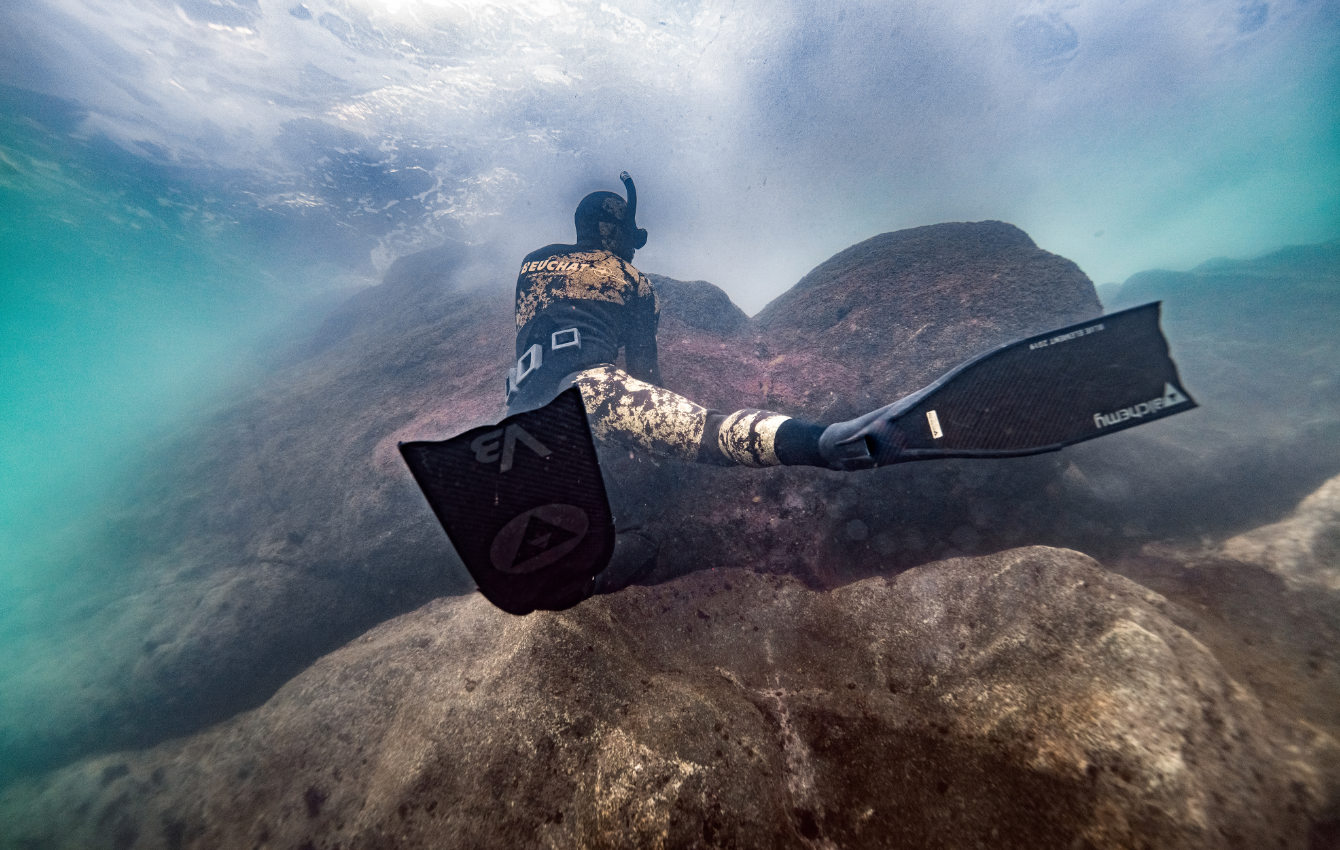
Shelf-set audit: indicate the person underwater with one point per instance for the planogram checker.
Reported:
(578, 305)
(547, 537)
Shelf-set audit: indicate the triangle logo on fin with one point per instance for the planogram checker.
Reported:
(538, 538)
(1171, 396)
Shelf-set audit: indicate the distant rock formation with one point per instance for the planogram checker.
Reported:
(1304, 549)
(1025, 699)
(699, 305)
(1257, 345)
(900, 309)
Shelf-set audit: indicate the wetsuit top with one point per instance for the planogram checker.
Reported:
(611, 304)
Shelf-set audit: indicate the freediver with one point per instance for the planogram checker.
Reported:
(547, 539)
(578, 305)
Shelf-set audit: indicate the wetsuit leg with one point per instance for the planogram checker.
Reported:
(640, 415)
(752, 437)
(654, 419)
(643, 416)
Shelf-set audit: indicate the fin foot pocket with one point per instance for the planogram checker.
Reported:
(865, 442)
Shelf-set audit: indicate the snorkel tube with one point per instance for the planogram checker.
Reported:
(637, 237)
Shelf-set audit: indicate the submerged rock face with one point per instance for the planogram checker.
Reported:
(1267, 603)
(1303, 549)
(1025, 699)
(900, 309)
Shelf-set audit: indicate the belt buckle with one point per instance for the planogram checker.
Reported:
(527, 363)
(566, 338)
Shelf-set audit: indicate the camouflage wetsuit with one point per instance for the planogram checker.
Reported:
(576, 307)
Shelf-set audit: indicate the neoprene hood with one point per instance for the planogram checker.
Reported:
(609, 209)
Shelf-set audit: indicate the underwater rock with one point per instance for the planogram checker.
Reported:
(895, 312)
(1267, 603)
(697, 304)
(1024, 699)
(1303, 549)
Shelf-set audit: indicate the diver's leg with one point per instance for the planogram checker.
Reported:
(761, 438)
(642, 415)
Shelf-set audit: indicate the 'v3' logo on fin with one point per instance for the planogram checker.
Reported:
(501, 443)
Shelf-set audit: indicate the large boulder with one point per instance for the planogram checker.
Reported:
(1025, 699)
(896, 311)
(877, 321)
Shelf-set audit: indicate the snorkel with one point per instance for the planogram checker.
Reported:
(637, 237)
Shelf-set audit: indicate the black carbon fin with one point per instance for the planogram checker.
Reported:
(524, 504)
(1045, 392)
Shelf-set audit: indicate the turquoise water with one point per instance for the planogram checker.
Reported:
(127, 299)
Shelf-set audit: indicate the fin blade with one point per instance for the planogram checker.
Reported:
(1049, 391)
(523, 503)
